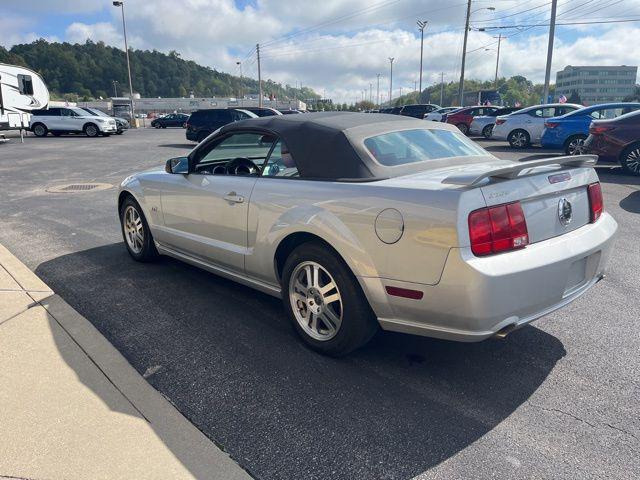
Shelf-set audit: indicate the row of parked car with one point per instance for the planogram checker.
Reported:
(610, 130)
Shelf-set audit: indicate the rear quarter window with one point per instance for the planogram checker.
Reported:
(417, 145)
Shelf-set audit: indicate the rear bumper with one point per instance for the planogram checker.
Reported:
(478, 297)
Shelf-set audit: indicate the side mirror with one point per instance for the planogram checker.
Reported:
(177, 165)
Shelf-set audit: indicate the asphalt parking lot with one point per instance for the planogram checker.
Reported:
(557, 399)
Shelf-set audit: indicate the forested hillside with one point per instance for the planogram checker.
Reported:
(89, 69)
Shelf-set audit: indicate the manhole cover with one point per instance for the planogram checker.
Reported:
(79, 187)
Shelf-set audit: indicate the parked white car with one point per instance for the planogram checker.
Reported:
(436, 115)
(59, 120)
(525, 127)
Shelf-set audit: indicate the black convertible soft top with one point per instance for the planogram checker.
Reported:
(330, 145)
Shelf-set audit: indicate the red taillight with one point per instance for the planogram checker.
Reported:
(500, 121)
(498, 229)
(551, 124)
(596, 203)
(599, 129)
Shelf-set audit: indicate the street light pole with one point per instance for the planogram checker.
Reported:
(441, 88)
(378, 90)
(422, 24)
(126, 51)
(552, 30)
(240, 93)
(115, 88)
(391, 59)
(495, 81)
(464, 48)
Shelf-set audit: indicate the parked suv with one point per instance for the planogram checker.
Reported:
(122, 124)
(70, 120)
(418, 110)
(202, 123)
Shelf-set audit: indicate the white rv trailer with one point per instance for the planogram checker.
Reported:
(21, 91)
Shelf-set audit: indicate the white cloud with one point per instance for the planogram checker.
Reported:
(341, 45)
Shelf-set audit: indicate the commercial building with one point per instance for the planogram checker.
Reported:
(597, 84)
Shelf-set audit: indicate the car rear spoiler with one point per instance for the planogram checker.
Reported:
(470, 179)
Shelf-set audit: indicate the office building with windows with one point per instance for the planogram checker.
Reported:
(597, 84)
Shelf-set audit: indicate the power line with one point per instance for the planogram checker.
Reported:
(565, 23)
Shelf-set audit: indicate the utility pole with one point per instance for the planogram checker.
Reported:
(259, 77)
(378, 90)
(495, 82)
(115, 88)
(441, 88)
(422, 24)
(240, 92)
(370, 92)
(464, 53)
(391, 59)
(126, 50)
(415, 85)
(552, 30)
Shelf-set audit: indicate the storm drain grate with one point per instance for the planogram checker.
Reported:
(79, 187)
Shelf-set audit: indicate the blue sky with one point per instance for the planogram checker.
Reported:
(339, 45)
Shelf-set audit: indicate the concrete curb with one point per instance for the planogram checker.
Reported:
(182, 440)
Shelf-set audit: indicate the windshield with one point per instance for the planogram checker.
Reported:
(411, 146)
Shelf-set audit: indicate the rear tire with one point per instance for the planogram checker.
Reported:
(519, 139)
(40, 130)
(574, 145)
(136, 233)
(463, 127)
(344, 320)
(487, 131)
(91, 130)
(630, 159)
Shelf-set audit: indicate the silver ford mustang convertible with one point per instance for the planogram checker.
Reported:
(366, 220)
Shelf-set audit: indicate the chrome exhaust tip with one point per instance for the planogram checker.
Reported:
(504, 331)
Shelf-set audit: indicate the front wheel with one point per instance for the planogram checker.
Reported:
(324, 301)
(575, 145)
(91, 130)
(630, 160)
(519, 139)
(40, 130)
(136, 233)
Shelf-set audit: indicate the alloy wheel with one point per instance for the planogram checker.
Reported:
(633, 161)
(519, 139)
(316, 301)
(133, 229)
(91, 131)
(576, 146)
(39, 131)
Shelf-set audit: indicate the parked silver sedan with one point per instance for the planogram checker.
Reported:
(360, 221)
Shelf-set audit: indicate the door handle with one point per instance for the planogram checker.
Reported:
(234, 197)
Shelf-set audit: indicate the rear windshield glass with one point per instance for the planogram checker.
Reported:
(411, 146)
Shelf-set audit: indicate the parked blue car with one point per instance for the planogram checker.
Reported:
(569, 131)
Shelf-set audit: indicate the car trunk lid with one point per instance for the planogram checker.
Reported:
(552, 192)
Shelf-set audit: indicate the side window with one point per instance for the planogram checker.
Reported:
(67, 113)
(563, 110)
(237, 115)
(25, 84)
(549, 112)
(252, 146)
(536, 113)
(53, 112)
(280, 163)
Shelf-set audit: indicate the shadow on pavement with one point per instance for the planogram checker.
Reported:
(188, 146)
(613, 174)
(226, 356)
